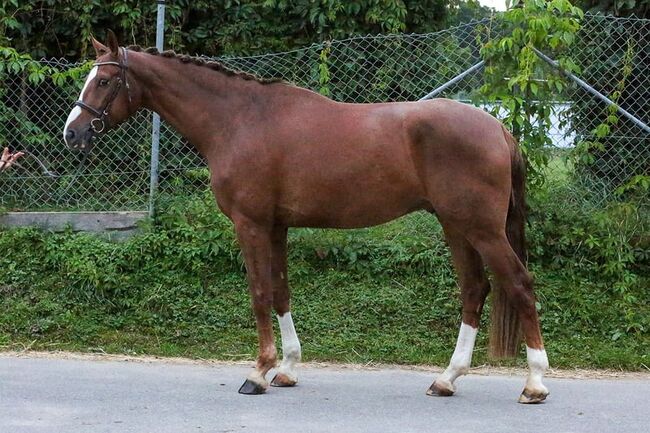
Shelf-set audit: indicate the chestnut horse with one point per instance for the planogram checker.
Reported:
(281, 156)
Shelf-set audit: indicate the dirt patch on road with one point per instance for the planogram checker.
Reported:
(483, 370)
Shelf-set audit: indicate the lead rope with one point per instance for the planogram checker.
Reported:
(77, 173)
(54, 176)
(46, 171)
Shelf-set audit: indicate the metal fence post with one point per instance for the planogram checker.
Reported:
(591, 90)
(155, 131)
(435, 92)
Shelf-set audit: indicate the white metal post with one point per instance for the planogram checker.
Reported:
(155, 131)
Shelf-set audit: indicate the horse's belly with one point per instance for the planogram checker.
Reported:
(350, 207)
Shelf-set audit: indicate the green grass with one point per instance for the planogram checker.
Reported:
(386, 294)
(404, 321)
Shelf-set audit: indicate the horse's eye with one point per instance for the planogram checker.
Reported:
(103, 82)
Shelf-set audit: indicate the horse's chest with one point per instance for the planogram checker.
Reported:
(246, 190)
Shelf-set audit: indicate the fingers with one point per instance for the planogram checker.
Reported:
(8, 159)
(15, 156)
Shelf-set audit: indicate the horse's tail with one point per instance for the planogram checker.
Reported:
(505, 331)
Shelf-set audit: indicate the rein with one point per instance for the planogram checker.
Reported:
(98, 124)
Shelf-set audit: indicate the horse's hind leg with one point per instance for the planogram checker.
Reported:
(512, 276)
(287, 375)
(474, 286)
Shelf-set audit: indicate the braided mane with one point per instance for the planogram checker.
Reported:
(212, 64)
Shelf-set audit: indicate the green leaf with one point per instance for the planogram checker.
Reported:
(602, 130)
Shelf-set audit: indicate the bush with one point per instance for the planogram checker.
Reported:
(386, 294)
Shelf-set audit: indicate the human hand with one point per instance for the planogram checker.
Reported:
(8, 158)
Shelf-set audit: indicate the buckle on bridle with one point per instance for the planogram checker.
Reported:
(98, 130)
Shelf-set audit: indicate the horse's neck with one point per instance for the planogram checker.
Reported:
(201, 104)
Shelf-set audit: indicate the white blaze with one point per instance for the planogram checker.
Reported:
(290, 347)
(76, 111)
(462, 357)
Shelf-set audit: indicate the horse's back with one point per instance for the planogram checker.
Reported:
(329, 164)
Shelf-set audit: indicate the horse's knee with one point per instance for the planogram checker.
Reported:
(262, 301)
(281, 304)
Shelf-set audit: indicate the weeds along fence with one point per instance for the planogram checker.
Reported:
(613, 55)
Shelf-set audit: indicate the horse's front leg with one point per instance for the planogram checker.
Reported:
(287, 375)
(255, 242)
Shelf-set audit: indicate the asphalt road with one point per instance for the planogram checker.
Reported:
(69, 396)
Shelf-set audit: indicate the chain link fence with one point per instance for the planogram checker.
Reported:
(612, 53)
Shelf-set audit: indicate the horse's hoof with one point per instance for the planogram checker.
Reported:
(532, 397)
(251, 388)
(441, 389)
(282, 380)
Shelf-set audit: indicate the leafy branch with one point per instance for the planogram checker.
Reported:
(514, 85)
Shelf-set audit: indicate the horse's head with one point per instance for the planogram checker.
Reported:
(106, 98)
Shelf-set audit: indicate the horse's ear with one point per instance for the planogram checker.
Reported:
(112, 43)
(100, 49)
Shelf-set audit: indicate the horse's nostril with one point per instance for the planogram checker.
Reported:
(70, 134)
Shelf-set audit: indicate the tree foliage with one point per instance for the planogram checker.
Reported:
(513, 72)
(639, 8)
(63, 28)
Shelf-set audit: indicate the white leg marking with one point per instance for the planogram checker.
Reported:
(538, 364)
(76, 111)
(290, 347)
(461, 359)
(257, 377)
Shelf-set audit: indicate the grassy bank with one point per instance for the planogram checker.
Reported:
(386, 294)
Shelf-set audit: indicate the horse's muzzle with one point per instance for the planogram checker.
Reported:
(79, 140)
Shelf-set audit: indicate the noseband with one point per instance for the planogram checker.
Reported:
(98, 124)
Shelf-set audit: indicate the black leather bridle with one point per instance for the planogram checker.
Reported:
(98, 124)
